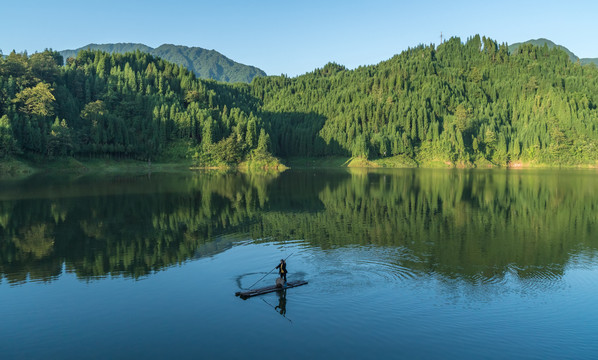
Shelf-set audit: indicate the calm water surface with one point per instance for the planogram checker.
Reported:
(422, 264)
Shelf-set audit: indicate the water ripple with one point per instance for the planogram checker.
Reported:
(386, 270)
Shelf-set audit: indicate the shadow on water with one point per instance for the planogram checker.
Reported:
(474, 226)
(240, 278)
(281, 308)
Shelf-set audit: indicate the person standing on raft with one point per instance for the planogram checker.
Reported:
(282, 270)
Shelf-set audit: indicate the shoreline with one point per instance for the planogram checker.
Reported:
(15, 168)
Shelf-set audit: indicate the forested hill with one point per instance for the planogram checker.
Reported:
(131, 105)
(471, 102)
(541, 42)
(206, 64)
(468, 104)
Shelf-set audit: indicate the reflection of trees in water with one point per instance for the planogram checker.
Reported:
(463, 224)
(460, 224)
(129, 228)
(35, 240)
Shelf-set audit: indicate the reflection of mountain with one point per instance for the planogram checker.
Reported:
(476, 225)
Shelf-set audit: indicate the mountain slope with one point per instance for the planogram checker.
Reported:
(458, 103)
(206, 64)
(541, 42)
(119, 48)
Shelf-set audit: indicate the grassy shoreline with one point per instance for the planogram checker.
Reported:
(15, 168)
(22, 167)
(398, 162)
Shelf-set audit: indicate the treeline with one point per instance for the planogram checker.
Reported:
(132, 106)
(206, 64)
(460, 102)
(463, 103)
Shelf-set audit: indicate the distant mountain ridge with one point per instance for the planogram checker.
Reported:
(550, 44)
(206, 64)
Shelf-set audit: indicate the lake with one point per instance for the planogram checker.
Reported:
(414, 264)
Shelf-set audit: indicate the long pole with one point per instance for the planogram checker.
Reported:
(262, 278)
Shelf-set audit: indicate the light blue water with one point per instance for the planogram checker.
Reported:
(390, 290)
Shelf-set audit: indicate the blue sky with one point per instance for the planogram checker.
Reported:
(294, 37)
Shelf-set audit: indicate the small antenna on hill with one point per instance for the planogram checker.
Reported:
(441, 37)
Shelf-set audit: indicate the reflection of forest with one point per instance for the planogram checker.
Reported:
(455, 223)
(130, 226)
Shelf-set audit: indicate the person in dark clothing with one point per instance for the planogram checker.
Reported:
(282, 270)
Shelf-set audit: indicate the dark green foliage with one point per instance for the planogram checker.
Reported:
(8, 144)
(206, 64)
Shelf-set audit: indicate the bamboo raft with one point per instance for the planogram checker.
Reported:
(268, 289)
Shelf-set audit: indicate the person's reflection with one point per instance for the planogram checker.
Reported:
(282, 302)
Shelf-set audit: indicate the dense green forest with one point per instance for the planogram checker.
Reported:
(463, 104)
(122, 106)
(206, 64)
